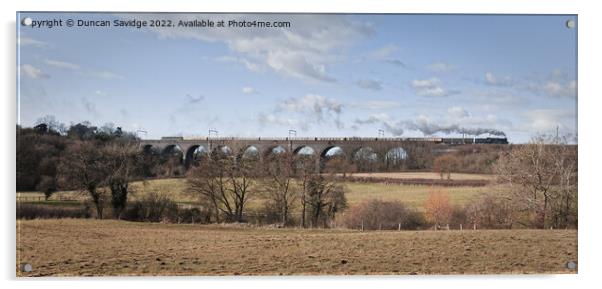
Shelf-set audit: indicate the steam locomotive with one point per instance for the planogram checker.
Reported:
(488, 140)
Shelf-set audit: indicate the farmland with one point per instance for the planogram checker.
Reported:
(413, 195)
(115, 247)
(425, 175)
(109, 247)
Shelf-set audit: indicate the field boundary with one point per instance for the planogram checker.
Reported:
(417, 181)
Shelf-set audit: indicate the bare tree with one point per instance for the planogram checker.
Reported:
(85, 169)
(542, 176)
(224, 182)
(445, 164)
(52, 124)
(437, 207)
(120, 161)
(305, 168)
(207, 182)
(242, 175)
(564, 203)
(326, 198)
(279, 183)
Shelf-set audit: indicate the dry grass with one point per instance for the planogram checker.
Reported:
(425, 175)
(174, 188)
(413, 195)
(90, 247)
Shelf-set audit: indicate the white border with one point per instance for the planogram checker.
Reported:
(589, 136)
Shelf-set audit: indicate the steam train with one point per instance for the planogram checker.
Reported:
(488, 140)
(449, 140)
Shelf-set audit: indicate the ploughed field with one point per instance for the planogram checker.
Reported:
(75, 247)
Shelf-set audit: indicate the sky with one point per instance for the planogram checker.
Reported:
(338, 75)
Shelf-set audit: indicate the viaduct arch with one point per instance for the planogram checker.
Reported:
(383, 149)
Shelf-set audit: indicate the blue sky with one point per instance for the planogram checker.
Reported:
(326, 75)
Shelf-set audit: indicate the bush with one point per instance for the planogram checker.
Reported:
(459, 217)
(269, 213)
(438, 210)
(192, 215)
(152, 208)
(491, 212)
(41, 211)
(386, 215)
(160, 208)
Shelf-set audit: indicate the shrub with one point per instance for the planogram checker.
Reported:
(192, 215)
(459, 217)
(41, 211)
(160, 208)
(269, 213)
(152, 208)
(437, 207)
(491, 212)
(386, 215)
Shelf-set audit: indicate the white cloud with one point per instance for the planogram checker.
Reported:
(32, 72)
(425, 83)
(430, 87)
(377, 104)
(546, 120)
(243, 61)
(309, 109)
(457, 112)
(101, 93)
(557, 83)
(106, 75)
(317, 105)
(62, 64)
(369, 84)
(249, 90)
(27, 41)
(305, 52)
(494, 80)
(273, 119)
(298, 65)
(497, 99)
(457, 115)
(440, 67)
(561, 89)
(384, 52)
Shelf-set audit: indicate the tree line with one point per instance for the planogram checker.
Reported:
(538, 184)
(103, 162)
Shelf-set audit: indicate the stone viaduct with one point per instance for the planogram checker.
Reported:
(379, 148)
